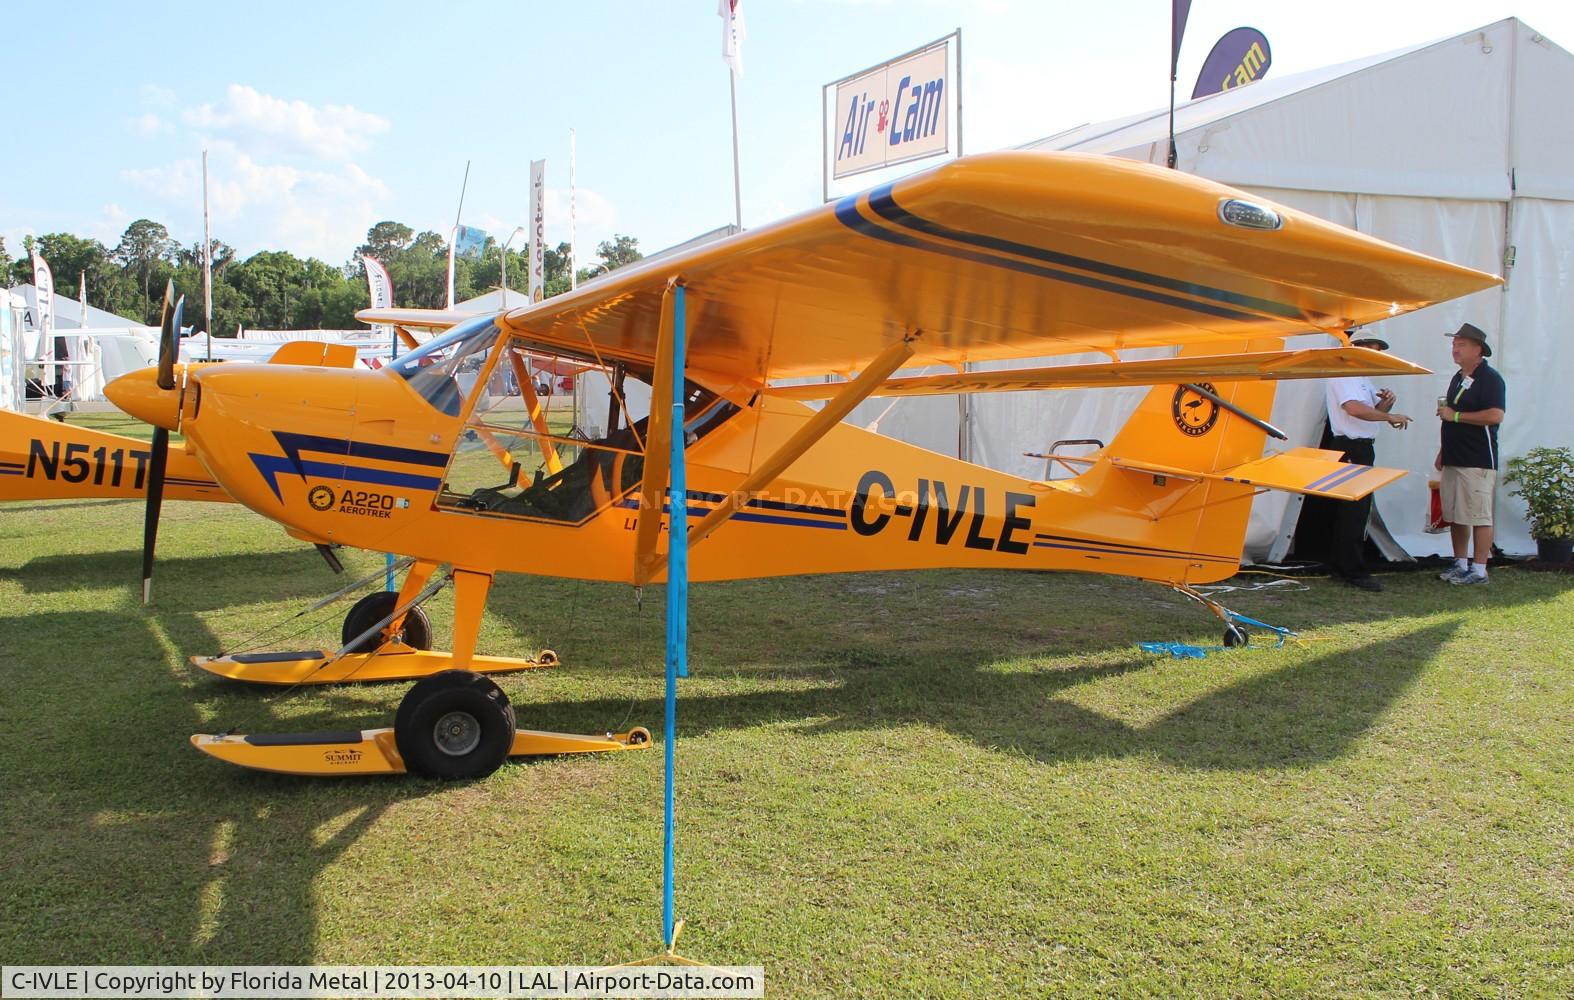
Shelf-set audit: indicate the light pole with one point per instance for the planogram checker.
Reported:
(504, 261)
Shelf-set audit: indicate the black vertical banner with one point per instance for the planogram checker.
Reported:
(1179, 9)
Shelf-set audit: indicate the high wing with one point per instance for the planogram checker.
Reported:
(1002, 255)
(1259, 365)
(420, 319)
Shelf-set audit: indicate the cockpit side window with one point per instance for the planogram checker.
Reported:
(522, 451)
(444, 370)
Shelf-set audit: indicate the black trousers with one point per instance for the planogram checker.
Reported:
(1347, 548)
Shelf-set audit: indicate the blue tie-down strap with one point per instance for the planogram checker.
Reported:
(1178, 650)
(1182, 651)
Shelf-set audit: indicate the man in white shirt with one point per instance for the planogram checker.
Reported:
(1355, 409)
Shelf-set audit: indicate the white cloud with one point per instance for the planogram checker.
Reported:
(155, 96)
(257, 204)
(111, 224)
(263, 123)
(149, 124)
(13, 238)
(594, 218)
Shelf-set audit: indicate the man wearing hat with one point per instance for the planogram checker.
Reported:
(1467, 459)
(1355, 409)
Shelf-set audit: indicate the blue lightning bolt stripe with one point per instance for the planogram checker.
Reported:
(291, 462)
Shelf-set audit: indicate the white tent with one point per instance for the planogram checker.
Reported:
(98, 350)
(1463, 149)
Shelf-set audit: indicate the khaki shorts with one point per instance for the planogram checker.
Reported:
(1467, 495)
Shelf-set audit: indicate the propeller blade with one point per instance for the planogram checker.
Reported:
(169, 329)
(150, 516)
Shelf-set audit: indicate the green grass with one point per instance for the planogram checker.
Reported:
(935, 784)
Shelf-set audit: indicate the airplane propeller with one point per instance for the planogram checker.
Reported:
(169, 331)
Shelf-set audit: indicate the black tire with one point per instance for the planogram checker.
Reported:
(376, 606)
(453, 725)
(1234, 636)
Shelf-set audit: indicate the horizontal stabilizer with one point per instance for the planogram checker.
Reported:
(1321, 362)
(314, 353)
(1309, 471)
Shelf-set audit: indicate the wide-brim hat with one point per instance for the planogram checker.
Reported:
(1364, 340)
(1474, 333)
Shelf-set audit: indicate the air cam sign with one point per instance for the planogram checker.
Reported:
(892, 113)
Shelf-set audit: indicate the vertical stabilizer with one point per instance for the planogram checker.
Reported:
(1176, 428)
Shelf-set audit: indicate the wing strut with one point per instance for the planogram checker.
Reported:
(658, 435)
(816, 427)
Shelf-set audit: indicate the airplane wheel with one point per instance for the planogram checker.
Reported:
(376, 606)
(454, 724)
(639, 736)
(1234, 635)
(547, 658)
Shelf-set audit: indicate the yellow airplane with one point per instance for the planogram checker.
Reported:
(449, 458)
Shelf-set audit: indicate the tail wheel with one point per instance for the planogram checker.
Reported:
(1234, 636)
(639, 736)
(547, 658)
(454, 724)
(376, 606)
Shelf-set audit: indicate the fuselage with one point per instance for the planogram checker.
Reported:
(401, 461)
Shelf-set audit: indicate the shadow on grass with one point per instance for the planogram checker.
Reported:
(52, 505)
(184, 583)
(120, 840)
(1301, 715)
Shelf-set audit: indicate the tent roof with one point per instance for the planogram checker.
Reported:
(1477, 116)
(68, 312)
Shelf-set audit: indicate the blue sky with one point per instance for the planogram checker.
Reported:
(322, 119)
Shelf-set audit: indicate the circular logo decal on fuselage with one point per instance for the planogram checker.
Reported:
(320, 497)
(1195, 414)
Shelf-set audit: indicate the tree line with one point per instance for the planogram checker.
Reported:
(276, 290)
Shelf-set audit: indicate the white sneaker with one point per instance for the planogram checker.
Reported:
(1452, 574)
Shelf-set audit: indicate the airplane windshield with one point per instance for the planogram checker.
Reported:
(444, 370)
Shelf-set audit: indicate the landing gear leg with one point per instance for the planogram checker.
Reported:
(470, 590)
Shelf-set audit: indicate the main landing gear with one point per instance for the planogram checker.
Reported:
(455, 723)
(386, 636)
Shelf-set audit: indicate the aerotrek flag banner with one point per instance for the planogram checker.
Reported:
(380, 286)
(538, 230)
(469, 242)
(1238, 58)
(893, 113)
(732, 33)
(44, 289)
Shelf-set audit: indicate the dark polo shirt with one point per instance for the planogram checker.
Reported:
(1467, 446)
